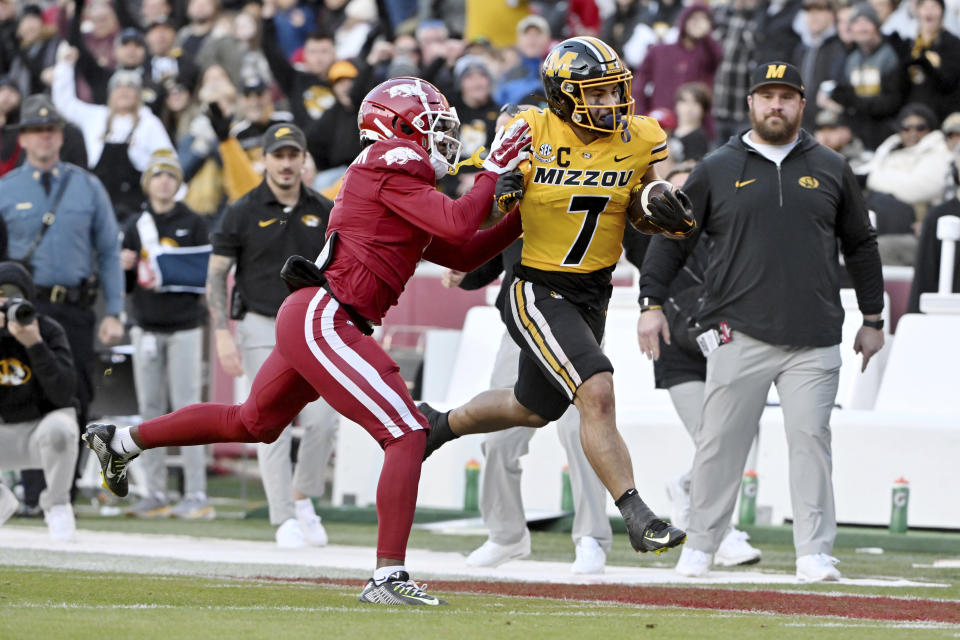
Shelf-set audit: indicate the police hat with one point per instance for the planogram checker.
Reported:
(283, 134)
(38, 111)
(777, 72)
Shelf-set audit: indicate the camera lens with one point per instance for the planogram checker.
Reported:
(21, 312)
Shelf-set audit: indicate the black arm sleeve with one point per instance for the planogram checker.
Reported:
(280, 67)
(665, 256)
(484, 274)
(858, 242)
(635, 245)
(52, 363)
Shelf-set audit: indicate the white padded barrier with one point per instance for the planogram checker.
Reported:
(439, 359)
(633, 382)
(923, 368)
(870, 450)
(476, 354)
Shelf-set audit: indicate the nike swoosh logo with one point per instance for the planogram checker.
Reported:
(664, 538)
(107, 471)
(266, 223)
(739, 184)
(619, 159)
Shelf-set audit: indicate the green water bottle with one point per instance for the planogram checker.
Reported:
(748, 499)
(471, 489)
(900, 499)
(566, 494)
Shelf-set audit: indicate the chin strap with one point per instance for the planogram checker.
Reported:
(473, 161)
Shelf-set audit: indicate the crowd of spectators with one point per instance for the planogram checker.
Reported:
(134, 77)
(868, 64)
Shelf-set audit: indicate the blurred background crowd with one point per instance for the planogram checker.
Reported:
(882, 79)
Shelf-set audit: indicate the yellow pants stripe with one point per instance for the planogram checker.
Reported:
(534, 332)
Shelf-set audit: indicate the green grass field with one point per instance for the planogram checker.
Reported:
(46, 602)
(40, 598)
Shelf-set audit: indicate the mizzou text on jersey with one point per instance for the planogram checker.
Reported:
(576, 194)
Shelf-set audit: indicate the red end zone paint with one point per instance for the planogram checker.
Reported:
(781, 602)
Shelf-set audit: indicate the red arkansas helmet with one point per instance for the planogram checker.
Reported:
(412, 109)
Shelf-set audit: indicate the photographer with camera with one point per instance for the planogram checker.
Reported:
(37, 400)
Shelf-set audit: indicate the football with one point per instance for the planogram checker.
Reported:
(637, 207)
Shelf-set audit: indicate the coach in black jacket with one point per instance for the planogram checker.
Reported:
(773, 203)
(37, 402)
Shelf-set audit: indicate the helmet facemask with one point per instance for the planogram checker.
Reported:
(441, 130)
(591, 116)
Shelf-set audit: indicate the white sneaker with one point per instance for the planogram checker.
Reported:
(736, 550)
(693, 563)
(491, 554)
(290, 535)
(313, 532)
(679, 501)
(8, 503)
(590, 556)
(817, 567)
(61, 523)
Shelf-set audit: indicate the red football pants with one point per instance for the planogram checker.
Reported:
(319, 351)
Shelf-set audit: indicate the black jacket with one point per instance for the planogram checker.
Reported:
(260, 233)
(773, 234)
(309, 94)
(38, 379)
(167, 312)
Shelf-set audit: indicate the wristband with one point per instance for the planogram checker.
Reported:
(874, 324)
(650, 307)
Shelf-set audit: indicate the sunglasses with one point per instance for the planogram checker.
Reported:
(914, 127)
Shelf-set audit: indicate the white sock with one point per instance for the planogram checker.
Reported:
(122, 442)
(304, 507)
(383, 573)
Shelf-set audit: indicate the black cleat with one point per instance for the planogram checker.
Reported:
(440, 432)
(113, 465)
(657, 536)
(398, 589)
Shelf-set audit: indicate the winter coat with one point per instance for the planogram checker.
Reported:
(911, 174)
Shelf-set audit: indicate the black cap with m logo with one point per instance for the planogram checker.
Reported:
(777, 72)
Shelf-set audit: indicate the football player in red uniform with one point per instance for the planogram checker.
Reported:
(387, 216)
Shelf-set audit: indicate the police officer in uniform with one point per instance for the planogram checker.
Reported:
(61, 225)
(73, 248)
(279, 218)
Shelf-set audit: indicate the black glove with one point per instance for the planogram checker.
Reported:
(509, 190)
(672, 213)
(219, 121)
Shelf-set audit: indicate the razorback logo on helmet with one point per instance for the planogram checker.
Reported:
(406, 91)
(399, 155)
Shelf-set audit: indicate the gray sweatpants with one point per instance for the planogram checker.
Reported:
(256, 337)
(739, 375)
(501, 502)
(49, 443)
(167, 376)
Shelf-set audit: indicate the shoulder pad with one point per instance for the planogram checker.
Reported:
(400, 156)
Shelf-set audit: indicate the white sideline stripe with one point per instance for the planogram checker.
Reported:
(151, 553)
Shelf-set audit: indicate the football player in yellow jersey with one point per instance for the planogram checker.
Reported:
(589, 151)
